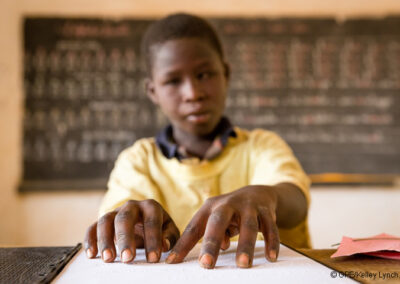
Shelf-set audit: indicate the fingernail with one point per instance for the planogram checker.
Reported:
(167, 245)
(206, 261)
(89, 253)
(107, 255)
(152, 257)
(126, 255)
(170, 259)
(272, 255)
(243, 260)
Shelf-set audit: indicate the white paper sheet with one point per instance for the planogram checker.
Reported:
(291, 267)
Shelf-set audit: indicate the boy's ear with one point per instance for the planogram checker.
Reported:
(150, 91)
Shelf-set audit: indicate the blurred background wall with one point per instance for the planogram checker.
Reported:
(61, 218)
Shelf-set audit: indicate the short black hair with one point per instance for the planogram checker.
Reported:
(177, 26)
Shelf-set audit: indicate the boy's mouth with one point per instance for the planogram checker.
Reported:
(199, 117)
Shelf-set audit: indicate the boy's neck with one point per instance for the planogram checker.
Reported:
(195, 145)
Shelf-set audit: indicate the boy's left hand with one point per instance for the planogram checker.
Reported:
(247, 211)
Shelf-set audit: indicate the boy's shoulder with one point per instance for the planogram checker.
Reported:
(260, 141)
(258, 136)
(140, 148)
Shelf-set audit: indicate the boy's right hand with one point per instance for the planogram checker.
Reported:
(134, 224)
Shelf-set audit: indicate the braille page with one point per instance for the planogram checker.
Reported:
(291, 267)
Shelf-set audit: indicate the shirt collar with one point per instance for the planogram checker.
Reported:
(169, 148)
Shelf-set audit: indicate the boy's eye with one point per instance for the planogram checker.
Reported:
(205, 75)
(172, 81)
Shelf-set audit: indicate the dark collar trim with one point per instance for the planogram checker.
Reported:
(169, 148)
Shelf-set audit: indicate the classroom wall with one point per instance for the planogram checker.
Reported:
(61, 218)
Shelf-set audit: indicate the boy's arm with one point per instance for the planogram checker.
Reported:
(292, 206)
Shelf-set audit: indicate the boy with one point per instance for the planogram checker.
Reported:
(220, 180)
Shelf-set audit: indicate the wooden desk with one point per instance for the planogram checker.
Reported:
(362, 268)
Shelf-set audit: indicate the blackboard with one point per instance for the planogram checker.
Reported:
(330, 89)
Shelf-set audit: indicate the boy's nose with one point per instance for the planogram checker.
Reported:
(191, 91)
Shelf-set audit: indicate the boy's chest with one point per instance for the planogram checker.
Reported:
(183, 197)
(192, 188)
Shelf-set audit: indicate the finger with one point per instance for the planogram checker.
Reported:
(152, 227)
(214, 234)
(105, 237)
(189, 238)
(271, 234)
(226, 242)
(170, 235)
(124, 225)
(232, 231)
(91, 241)
(247, 238)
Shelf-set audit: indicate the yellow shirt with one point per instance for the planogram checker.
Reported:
(181, 187)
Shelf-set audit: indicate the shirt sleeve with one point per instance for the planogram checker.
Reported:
(130, 179)
(272, 162)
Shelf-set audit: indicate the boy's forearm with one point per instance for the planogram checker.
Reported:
(292, 205)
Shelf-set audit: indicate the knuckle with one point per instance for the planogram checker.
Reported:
(273, 235)
(265, 211)
(123, 215)
(216, 217)
(209, 201)
(105, 218)
(273, 238)
(251, 224)
(150, 203)
(152, 242)
(246, 248)
(152, 222)
(247, 200)
(123, 237)
(102, 244)
(192, 230)
(89, 241)
(211, 244)
(130, 203)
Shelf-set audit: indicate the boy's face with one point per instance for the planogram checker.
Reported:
(189, 83)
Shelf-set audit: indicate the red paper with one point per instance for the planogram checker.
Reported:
(383, 245)
(386, 254)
